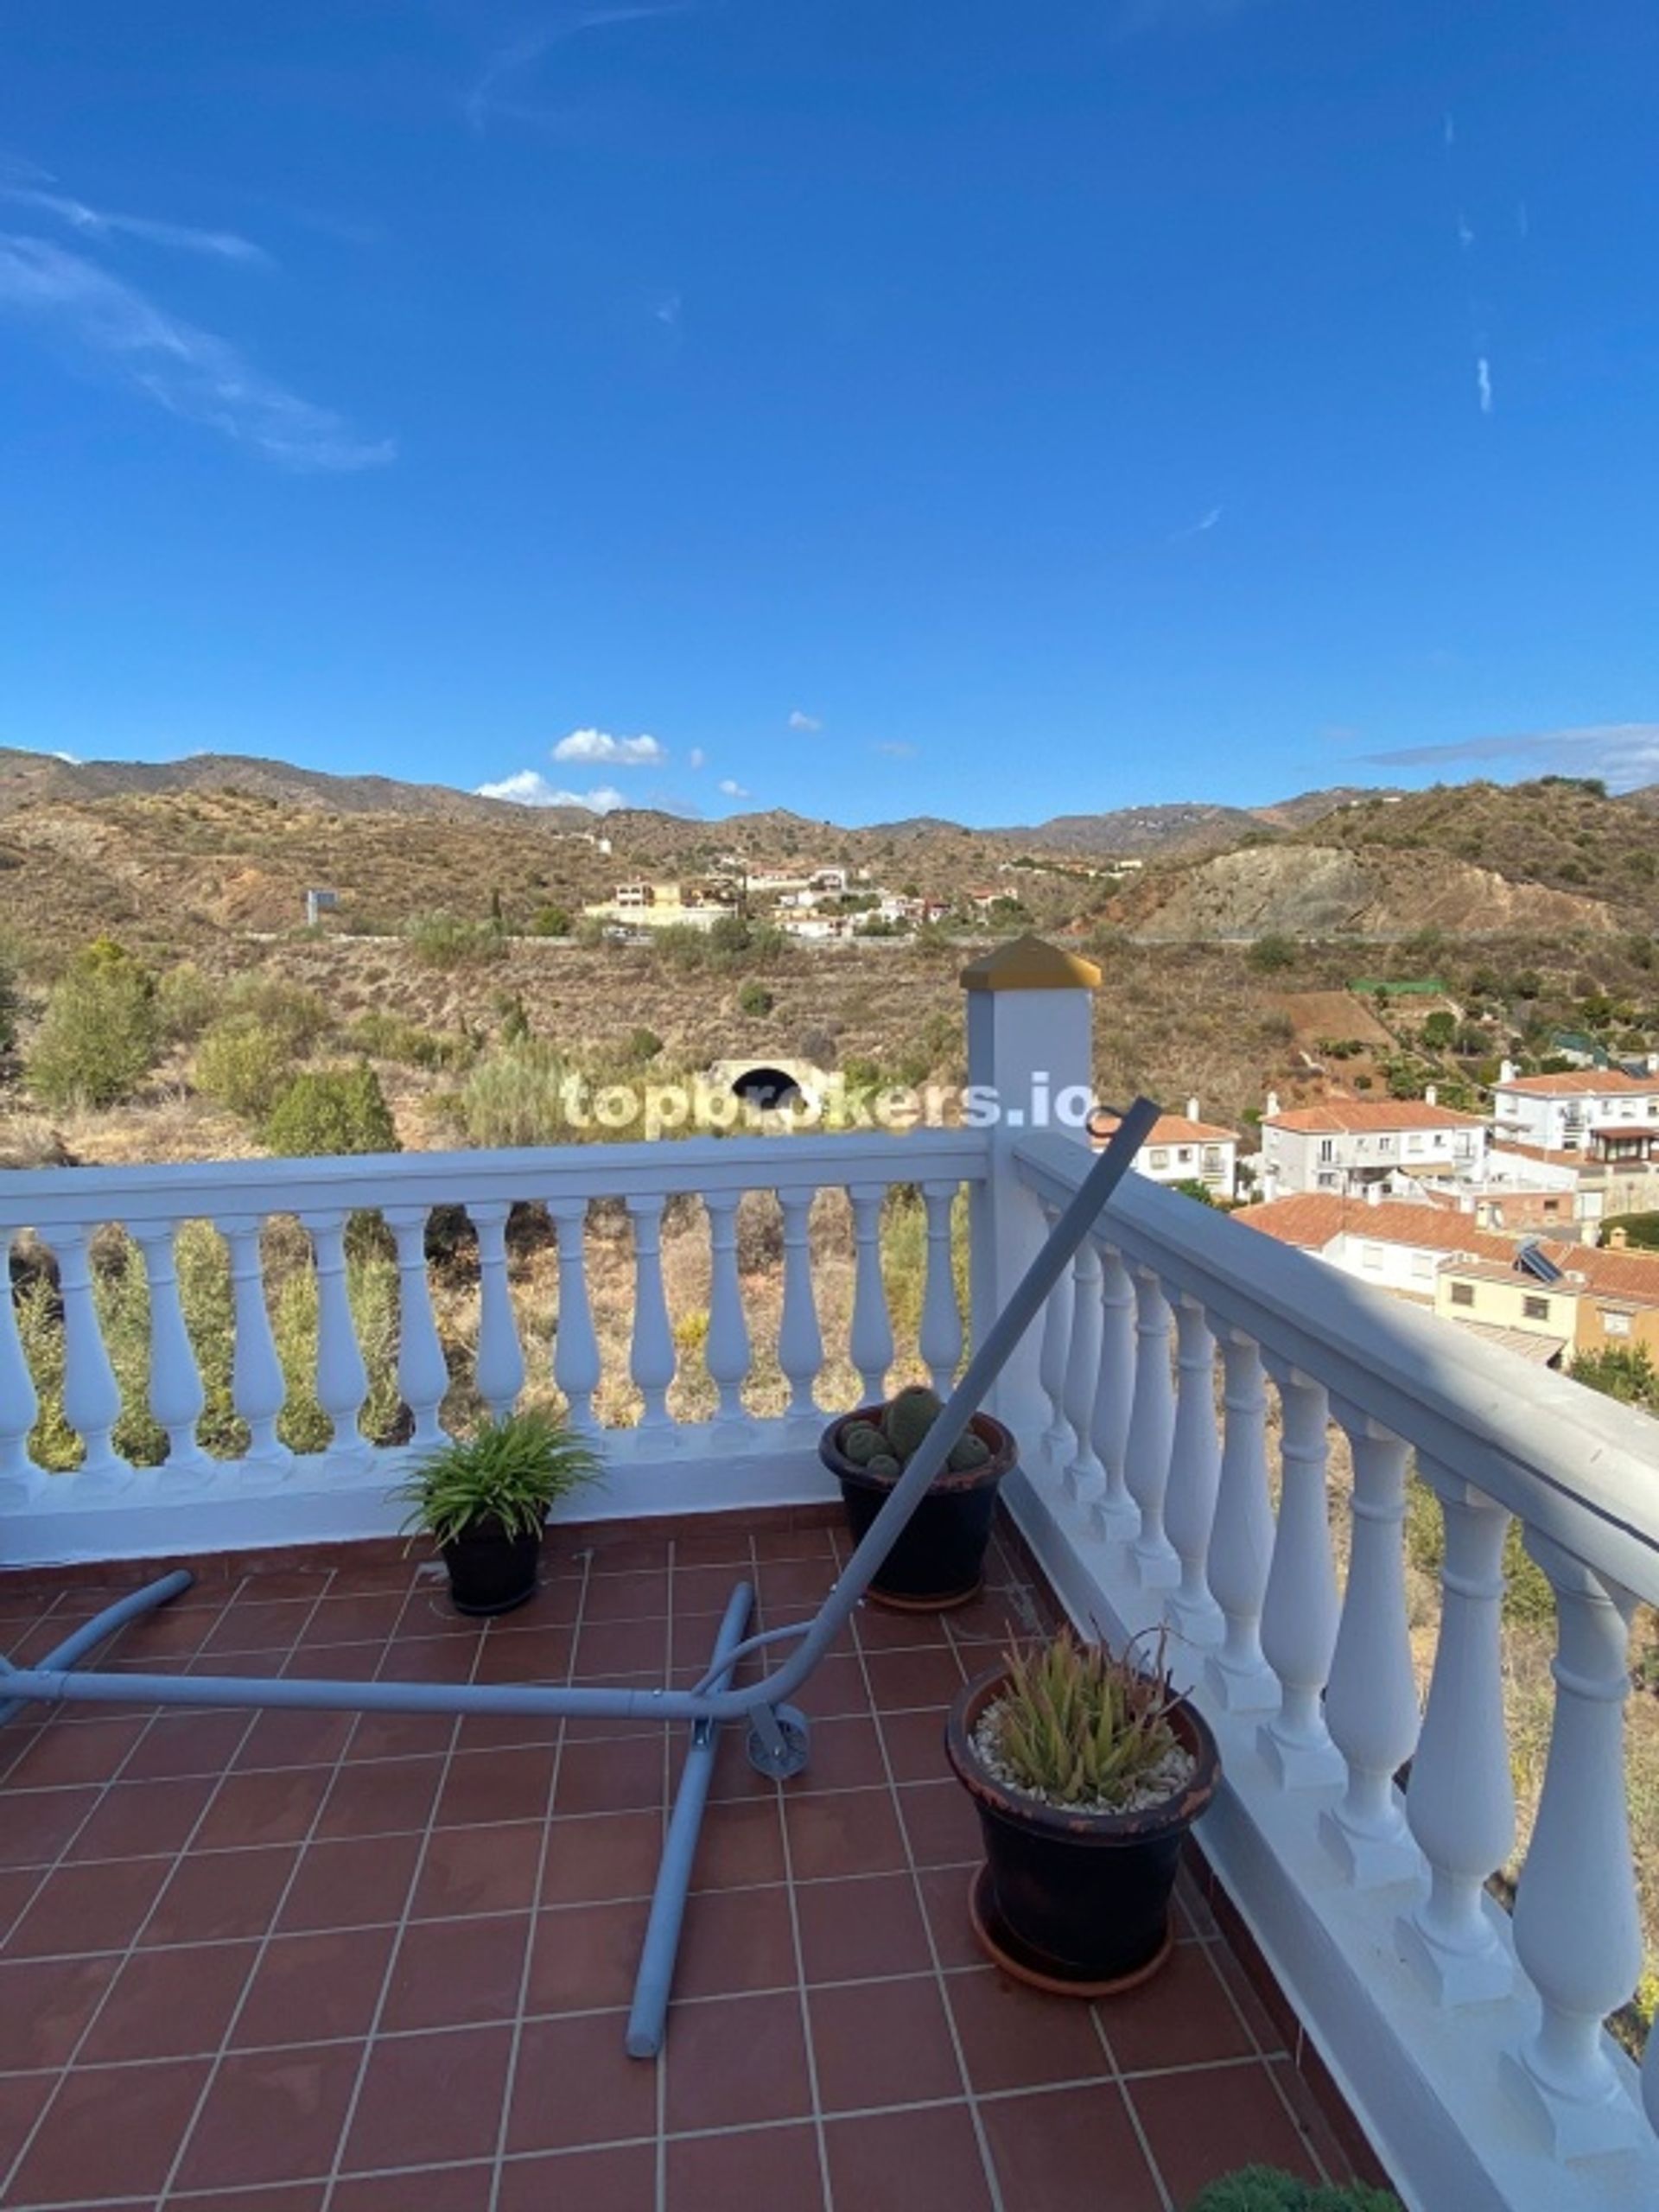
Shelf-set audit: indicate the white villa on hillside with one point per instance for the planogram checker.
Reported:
(1602, 1113)
(1182, 1148)
(1343, 1145)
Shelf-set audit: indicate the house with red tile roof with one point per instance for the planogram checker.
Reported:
(1600, 1113)
(1344, 1145)
(1182, 1148)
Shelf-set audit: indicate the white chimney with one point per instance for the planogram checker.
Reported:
(1506, 1071)
(1653, 1063)
(1373, 1194)
(1191, 1110)
(1430, 1095)
(1269, 1112)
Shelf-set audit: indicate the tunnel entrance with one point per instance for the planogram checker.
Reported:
(766, 1088)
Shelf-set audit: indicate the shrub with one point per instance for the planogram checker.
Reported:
(8, 1007)
(186, 1002)
(550, 921)
(643, 1044)
(1268, 2188)
(753, 998)
(444, 941)
(1271, 954)
(242, 1065)
(330, 1110)
(512, 1096)
(298, 1017)
(389, 1037)
(100, 1033)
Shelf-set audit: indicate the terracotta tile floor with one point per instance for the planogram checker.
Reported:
(304, 1962)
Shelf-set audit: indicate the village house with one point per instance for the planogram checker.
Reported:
(1180, 1148)
(1603, 1113)
(1343, 1145)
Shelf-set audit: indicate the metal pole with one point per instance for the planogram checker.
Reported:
(92, 1633)
(648, 2017)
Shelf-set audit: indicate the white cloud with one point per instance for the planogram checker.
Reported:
(194, 375)
(1625, 754)
(1465, 233)
(896, 749)
(529, 787)
(598, 745)
(72, 758)
(798, 720)
(1483, 383)
(97, 223)
(730, 789)
(696, 758)
(485, 97)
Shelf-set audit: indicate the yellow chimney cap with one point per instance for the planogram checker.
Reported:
(1028, 963)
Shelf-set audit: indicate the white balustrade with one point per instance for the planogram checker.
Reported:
(1112, 1515)
(259, 1389)
(342, 1376)
(1371, 1706)
(651, 1360)
(20, 1406)
(871, 1343)
(1152, 1430)
(939, 1340)
(1460, 1801)
(176, 1391)
(91, 1396)
(1240, 1537)
(499, 1371)
(800, 1341)
(1083, 1475)
(1057, 1439)
(577, 1366)
(1299, 1614)
(1194, 1474)
(727, 1349)
(1578, 1928)
(423, 1371)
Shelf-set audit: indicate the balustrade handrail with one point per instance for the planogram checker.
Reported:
(1575, 1466)
(42, 1198)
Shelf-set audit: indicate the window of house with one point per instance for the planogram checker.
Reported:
(1536, 1309)
(1212, 1159)
(1462, 1293)
(1385, 1144)
(1414, 1143)
(1616, 1324)
(1159, 1156)
(1371, 1255)
(1184, 1155)
(1422, 1267)
(1327, 1149)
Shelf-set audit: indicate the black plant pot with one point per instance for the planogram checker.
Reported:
(939, 1559)
(491, 1572)
(1076, 1903)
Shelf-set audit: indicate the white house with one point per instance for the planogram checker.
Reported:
(1398, 1247)
(1601, 1112)
(1343, 1145)
(1182, 1148)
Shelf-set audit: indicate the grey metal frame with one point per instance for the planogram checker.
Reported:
(778, 1733)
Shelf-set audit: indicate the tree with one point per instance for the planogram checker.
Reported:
(101, 1031)
(1272, 953)
(1621, 1371)
(329, 1110)
(1439, 1029)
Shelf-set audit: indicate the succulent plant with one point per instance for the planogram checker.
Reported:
(909, 1417)
(883, 1465)
(1076, 1726)
(862, 1441)
(968, 1451)
(1265, 2189)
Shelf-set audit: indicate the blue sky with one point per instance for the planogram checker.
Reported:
(861, 408)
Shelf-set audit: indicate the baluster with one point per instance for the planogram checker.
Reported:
(575, 1343)
(175, 1394)
(1194, 1473)
(800, 1341)
(1460, 1803)
(423, 1371)
(651, 1362)
(940, 1342)
(1578, 1931)
(1057, 1439)
(91, 1396)
(500, 1375)
(342, 1378)
(257, 1384)
(871, 1344)
(726, 1350)
(1112, 1515)
(1085, 1477)
(1371, 1706)
(1299, 1615)
(1151, 1428)
(20, 1475)
(1240, 1542)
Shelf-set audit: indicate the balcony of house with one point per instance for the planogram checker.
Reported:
(327, 1959)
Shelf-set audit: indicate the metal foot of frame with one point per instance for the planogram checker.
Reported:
(92, 1633)
(779, 1741)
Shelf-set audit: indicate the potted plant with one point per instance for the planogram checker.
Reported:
(939, 1559)
(484, 1500)
(1267, 2189)
(1086, 1770)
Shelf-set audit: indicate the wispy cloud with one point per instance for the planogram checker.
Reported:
(696, 758)
(1623, 753)
(529, 787)
(730, 788)
(488, 95)
(1484, 383)
(798, 720)
(895, 748)
(1206, 523)
(597, 745)
(1465, 232)
(99, 224)
(190, 372)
